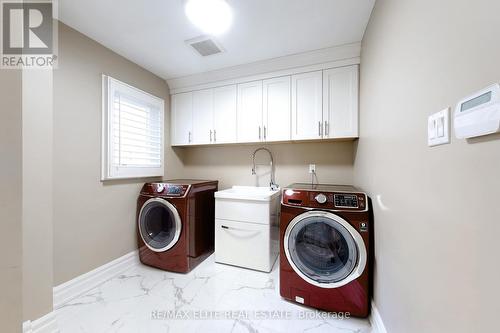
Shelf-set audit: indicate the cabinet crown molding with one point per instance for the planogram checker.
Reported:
(337, 56)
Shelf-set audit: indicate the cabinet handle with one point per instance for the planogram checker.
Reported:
(265, 132)
(319, 128)
(246, 233)
(259, 133)
(327, 128)
(189, 137)
(215, 136)
(253, 232)
(210, 136)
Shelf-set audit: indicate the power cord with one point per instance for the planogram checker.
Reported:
(313, 177)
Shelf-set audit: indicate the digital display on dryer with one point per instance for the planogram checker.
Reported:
(174, 190)
(346, 200)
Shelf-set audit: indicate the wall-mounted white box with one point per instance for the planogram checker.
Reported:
(438, 128)
(478, 114)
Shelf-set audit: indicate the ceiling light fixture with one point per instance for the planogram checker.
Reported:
(212, 16)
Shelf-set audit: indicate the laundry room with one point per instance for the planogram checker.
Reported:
(249, 166)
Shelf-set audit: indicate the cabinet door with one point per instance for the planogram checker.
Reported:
(340, 102)
(182, 118)
(276, 109)
(249, 115)
(225, 114)
(203, 117)
(307, 106)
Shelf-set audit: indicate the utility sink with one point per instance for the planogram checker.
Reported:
(246, 227)
(249, 193)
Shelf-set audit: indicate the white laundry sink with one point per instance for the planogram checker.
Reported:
(248, 204)
(246, 227)
(249, 193)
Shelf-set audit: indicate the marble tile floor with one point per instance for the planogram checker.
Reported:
(211, 298)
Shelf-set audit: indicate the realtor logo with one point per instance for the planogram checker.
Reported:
(27, 34)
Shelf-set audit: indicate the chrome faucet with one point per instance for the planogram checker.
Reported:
(272, 183)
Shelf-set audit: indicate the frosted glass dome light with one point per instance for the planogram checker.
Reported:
(211, 16)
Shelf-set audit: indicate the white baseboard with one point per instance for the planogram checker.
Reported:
(45, 324)
(68, 291)
(376, 321)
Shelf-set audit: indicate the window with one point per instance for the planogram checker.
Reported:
(132, 132)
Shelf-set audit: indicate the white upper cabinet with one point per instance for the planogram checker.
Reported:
(249, 116)
(276, 109)
(224, 114)
(202, 117)
(340, 102)
(182, 118)
(314, 105)
(307, 106)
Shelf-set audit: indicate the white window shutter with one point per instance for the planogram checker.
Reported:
(133, 137)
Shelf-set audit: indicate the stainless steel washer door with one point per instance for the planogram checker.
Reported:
(159, 224)
(324, 249)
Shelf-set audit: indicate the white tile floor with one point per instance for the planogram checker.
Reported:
(141, 299)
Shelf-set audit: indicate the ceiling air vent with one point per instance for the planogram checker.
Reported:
(205, 45)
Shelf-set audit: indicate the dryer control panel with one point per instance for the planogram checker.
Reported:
(165, 189)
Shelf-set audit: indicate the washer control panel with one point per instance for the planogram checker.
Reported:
(341, 201)
(350, 201)
(345, 200)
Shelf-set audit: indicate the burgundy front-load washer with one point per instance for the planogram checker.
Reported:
(325, 248)
(175, 223)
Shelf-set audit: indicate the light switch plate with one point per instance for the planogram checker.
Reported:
(438, 128)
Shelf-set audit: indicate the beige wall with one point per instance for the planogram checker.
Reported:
(37, 193)
(10, 201)
(232, 165)
(94, 222)
(437, 223)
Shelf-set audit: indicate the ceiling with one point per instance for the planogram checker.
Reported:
(151, 33)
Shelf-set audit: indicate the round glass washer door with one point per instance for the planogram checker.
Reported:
(324, 249)
(159, 224)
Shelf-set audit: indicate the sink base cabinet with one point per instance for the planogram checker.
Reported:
(249, 245)
(247, 232)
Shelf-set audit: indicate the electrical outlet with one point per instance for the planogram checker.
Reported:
(312, 168)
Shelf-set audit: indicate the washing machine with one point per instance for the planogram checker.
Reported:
(175, 223)
(325, 256)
